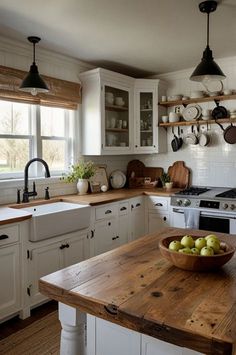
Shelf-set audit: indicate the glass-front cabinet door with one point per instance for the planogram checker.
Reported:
(117, 113)
(146, 118)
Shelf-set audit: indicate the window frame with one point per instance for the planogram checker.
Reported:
(36, 141)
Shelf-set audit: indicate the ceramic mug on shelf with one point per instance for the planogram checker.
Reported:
(113, 122)
(173, 117)
(165, 119)
(119, 101)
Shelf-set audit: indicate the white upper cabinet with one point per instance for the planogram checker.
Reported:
(107, 113)
(120, 114)
(148, 137)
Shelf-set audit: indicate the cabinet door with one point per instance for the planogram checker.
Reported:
(104, 235)
(112, 339)
(9, 280)
(117, 118)
(157, 221)
(75, 249)
(152, 346)
(137, 224)
(146, 121)
(44, 260)
(123, 230)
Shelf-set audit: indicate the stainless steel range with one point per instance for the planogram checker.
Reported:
(216, 206)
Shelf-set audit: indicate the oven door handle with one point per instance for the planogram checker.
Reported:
(177, 210)
(222, 216)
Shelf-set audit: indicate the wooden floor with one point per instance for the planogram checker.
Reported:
(13, 325)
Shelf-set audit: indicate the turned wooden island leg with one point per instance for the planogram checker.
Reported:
(73, 337)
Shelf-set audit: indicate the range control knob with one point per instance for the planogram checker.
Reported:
(225, 206)
(179, 202)
(232, 207)
(187, 202)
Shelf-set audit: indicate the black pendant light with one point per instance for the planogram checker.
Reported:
(33, 82)
(207, 69)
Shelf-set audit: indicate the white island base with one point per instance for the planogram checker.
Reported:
(106, 338)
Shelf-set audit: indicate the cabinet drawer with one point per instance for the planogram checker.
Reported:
(105, 212)
(158, 203)
(9, 235)
(123, 208)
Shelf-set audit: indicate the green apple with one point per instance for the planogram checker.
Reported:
(187, 241)
(207, 251)
(175, 245)
(213, 243)
(195, 251)
(200, 243)
(211, 236)
(186, 250)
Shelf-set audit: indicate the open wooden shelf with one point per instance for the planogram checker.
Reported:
(116, 108)
(197, 100)
(116, 130)
(196, 122)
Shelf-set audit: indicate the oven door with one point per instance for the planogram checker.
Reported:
(215, 222)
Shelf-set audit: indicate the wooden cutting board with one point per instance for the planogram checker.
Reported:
(140, 171)
(179, 174)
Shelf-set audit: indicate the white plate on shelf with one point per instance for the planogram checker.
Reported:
(191, 112)
(117, 179)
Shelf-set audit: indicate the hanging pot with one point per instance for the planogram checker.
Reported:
(180, 139)
(174, 142)
(204, 138)
(219, 112)
(229, 133)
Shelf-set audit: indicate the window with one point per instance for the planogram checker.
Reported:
(28, 131)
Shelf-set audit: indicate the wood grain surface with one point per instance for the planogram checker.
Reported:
(135, 287)
(179, 174)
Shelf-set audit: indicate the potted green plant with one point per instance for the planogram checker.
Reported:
(80, 172)
(166, 181)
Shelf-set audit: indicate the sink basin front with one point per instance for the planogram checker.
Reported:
(57, 218)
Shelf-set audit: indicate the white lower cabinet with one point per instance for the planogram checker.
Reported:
(157, 213)
(137, 221)
(9, 280)
(10, 270)
(46, 257)
(110, 228)
(106, 338)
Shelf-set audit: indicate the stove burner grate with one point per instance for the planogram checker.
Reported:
(228, 194)
(193, 191)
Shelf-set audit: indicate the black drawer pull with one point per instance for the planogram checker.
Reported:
(123, 208)
(164, 218)
(109, 223)
(67, 245)
(108, 212)
(62, 246)
(158, 204)
(138, 204)
(113, 238)
(3, 236)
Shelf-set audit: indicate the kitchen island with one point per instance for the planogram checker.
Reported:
(135, 288)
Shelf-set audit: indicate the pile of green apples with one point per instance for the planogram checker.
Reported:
(204, 246)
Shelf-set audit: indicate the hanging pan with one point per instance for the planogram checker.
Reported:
(219, 112)
(229, 133)
(174, 142)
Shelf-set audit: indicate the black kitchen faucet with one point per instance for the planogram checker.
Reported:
(27, 193)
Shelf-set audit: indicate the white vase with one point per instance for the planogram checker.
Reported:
(82, 186)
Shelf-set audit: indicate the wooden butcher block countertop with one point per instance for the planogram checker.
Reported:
(135, 287)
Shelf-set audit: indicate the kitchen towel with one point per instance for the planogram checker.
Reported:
(191, 218)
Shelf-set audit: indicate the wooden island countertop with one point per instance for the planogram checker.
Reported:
(133, 286)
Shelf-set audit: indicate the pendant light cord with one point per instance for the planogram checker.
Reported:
(34, 53)
(208, 27)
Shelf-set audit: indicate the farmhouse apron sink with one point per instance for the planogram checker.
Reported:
(57, 218)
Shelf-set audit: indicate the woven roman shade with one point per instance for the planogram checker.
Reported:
(62, 93)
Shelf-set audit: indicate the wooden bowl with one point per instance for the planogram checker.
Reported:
(194, 262)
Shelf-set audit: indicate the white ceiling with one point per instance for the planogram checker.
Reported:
(135, 37)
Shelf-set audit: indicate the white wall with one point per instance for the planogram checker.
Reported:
(214, 165)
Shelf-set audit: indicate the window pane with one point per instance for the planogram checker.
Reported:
(54, 154)
(52, 121)
(14, 154)
(14, 118)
